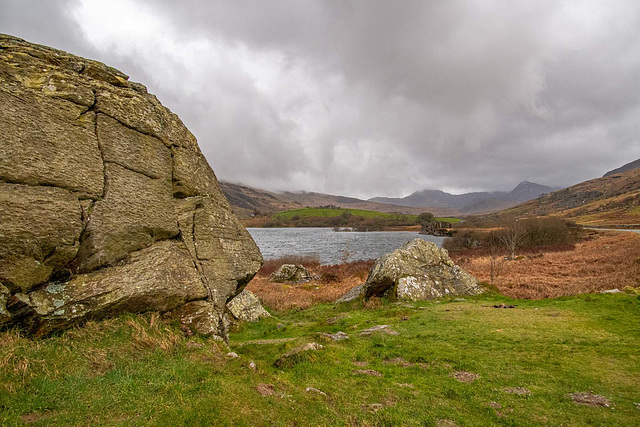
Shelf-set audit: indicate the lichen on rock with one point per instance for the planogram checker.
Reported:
(107, 204)
(419, 270)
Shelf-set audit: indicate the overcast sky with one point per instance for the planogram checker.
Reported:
(375, 98)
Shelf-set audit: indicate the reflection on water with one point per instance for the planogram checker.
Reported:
(330, 246)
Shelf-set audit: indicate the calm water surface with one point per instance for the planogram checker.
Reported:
(331, 246)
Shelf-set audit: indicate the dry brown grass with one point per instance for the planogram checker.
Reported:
(332, 282)
(607, 261)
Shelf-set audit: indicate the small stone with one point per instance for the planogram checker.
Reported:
(495, 405)
(233, 355)
(459, 299)
(289, 358)
(611, 291)
(369, 372)
(315, 390)
(252, 365)
(407, 385)
(379, 328)
(338, 336)
(520, 391)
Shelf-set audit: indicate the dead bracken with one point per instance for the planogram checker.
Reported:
(369, 372)
(589, 399)
(465, 377)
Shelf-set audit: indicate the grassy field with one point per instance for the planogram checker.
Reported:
(330, 213)
(139, 370)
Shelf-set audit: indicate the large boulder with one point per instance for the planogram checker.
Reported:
(107, 204)
(419, 270)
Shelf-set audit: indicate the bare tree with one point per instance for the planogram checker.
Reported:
(496, 256)
(513, 237)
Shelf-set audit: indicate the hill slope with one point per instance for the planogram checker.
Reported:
(247, 200)
(476, 202)
(625, 168)
(613, 200)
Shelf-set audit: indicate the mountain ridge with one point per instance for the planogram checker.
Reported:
(473, 202)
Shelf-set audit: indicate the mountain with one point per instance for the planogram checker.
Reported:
(247, 201)
(613, 200)
(629, 166)
(470, 203)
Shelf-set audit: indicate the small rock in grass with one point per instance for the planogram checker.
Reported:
(266, 389)
(379, 328)
(289, 357)
(588, 399)
(373, 407)
(338, 336)
(407, 385)
(252, 365)
(520, 391)
(495, 405)
(611, 291)
(315, 390)
(369, 372)
(465, 377)
(504, 306)
(232, 355)
(459, 299)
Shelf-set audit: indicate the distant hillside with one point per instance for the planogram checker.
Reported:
(629, 166)
(613, 200)
(247, 201)
(470, 203)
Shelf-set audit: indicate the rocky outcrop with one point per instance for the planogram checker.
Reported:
(247, 307)
(436, 228)
(419, 270)
(107, 204)
(290, 273)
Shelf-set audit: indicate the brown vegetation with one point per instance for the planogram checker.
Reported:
(331, 282)
(603, 261)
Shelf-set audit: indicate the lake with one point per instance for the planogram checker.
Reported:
(329, 246)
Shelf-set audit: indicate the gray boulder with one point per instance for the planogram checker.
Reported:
(107, 204)
(247, 307)
(290, 273)
(419, 270)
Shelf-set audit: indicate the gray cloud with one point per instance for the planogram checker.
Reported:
(376, 98)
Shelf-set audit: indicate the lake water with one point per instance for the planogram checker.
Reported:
(331, 246)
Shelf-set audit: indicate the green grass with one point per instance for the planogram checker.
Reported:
(452, 220)
(136, 370)
(331, 213)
